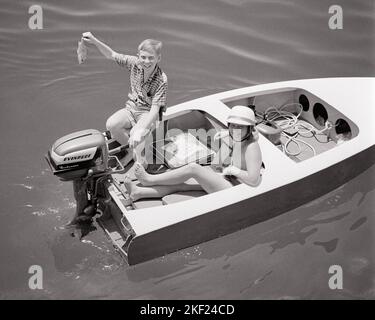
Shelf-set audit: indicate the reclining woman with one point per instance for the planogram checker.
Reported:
(244, 165)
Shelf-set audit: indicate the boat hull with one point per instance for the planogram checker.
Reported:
(248, 212)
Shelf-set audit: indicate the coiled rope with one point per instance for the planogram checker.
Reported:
(289, 121)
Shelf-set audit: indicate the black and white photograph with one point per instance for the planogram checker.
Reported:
(192, 150)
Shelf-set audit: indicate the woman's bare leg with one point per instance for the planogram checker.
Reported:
(207, 178)
(137, 192)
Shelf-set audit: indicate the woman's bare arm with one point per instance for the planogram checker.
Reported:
(253, 157)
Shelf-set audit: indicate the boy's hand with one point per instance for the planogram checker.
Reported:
(88, 37)
(136, 137)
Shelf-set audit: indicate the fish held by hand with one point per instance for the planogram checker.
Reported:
(81, 52)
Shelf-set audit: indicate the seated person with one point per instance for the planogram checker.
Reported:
(245, 165)
(148, 90)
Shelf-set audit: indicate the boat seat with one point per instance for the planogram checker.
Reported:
(182, 196)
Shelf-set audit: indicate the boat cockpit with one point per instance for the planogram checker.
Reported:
(188, 137)
(294, 121)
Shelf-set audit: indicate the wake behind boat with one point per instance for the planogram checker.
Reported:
(315, 135)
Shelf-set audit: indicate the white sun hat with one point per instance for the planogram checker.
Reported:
(241, 115)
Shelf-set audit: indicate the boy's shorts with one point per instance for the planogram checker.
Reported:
(133, 113)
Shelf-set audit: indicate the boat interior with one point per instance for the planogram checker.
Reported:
(299, 124)
(187, 131)
(309, 125)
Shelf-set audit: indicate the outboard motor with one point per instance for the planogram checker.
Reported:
(72, 156)
(82, 157)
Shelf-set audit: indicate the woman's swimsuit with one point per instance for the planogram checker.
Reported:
(232, 179)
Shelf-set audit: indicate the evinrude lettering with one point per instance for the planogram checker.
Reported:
(84, 156)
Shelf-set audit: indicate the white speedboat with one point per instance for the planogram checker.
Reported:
(315, 135)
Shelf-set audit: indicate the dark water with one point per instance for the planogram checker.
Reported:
(209, 46)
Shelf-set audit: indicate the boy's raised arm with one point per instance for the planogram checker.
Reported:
(88, 37)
